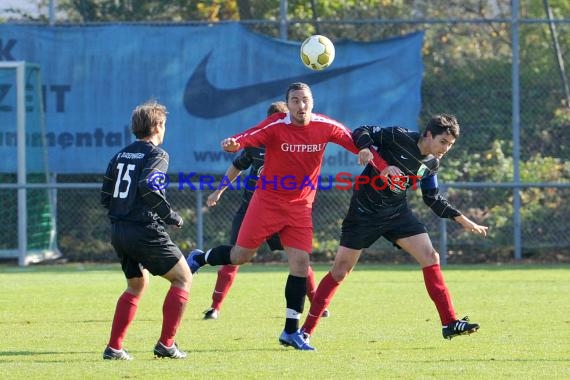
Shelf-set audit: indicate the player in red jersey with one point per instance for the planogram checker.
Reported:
(294, 146)
(253, 158)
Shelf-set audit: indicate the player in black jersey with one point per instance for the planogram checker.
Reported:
(133, 192)
(249, 158)
(379, 208)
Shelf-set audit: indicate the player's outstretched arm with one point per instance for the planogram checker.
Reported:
(214, 198)
(392, 171)
(230, 144)
(365, 156)
(469, 225)
(231, 174)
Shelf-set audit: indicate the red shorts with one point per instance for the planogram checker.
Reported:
(264, 217)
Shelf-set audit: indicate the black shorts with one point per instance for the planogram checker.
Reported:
(146, 245)
(361, 227)
(273, 241)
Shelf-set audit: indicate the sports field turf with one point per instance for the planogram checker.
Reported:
(55, 322)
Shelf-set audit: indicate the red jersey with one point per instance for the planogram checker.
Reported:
(294, 154)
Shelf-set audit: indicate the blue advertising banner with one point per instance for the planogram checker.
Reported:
(215, 81)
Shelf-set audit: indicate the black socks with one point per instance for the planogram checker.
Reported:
(219, 255)
(295, 292)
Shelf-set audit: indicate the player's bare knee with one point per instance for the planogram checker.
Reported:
(182, 284)
(180, 278)
(137, 292)
(340, 273)
(432, 257)
(242, 256)
(137, 286)
(240, 259)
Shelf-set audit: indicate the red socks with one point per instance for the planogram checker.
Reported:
(439, 293)
(226, 277)
(124, 314)
(323, 297)
(435, 286)
(172, 312)
(311, 285)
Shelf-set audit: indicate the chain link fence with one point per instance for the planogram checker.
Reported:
(468, 72)
(83, 228)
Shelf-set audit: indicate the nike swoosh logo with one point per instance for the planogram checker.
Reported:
(205, 100)
(403, 157)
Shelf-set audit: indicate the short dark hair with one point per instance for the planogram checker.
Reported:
(145, 117)
(441, 123)
(296, 86)
(276, 107)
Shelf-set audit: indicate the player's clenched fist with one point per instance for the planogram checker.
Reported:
(230, 144)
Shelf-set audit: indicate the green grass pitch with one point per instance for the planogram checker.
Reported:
(55, 322)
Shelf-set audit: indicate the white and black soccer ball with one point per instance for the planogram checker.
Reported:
(317, 52)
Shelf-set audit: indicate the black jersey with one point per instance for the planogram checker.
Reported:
(399, 147)
(254, 158)
(126, 192)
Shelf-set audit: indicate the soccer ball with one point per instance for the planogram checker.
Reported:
(317, 52)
